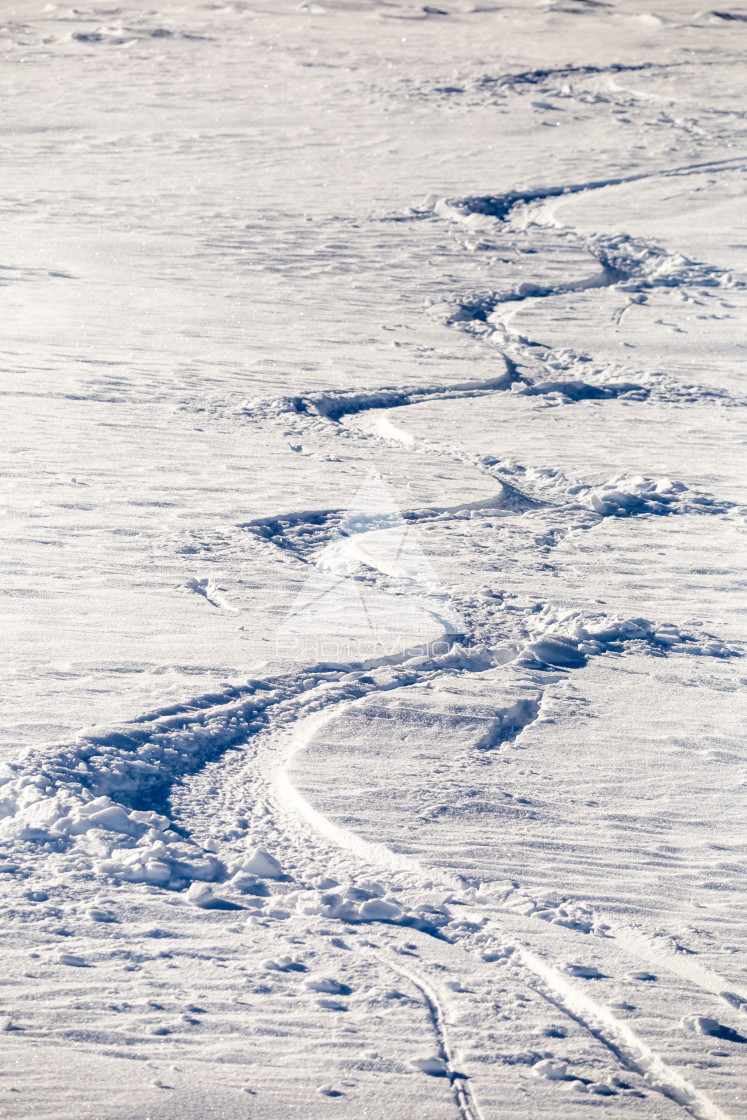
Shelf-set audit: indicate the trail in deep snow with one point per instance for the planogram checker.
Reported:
(551, 382)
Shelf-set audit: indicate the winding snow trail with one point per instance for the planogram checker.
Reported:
(498, 873)
(629, 1049)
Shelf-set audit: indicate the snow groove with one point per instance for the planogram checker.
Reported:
(630, 265)
(534, 77)
(335, 404)
(632, 1052)
(502, 206)
(117, 783)
(473, 88)
(682, 966)
(304, 532)
(625, 263)
(464, 1097)
(581, 505)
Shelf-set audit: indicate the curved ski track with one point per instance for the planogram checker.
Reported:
(616, 1036)
(251, 711)
(631, 1052)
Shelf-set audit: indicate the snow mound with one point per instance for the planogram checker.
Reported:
(261, 864)
(551, 1069)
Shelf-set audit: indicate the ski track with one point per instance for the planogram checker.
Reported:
(302, 533)
(501, 206)
(630, 1050)
(464, 1097)
(138, 764)
(617, 1037)
(629, 265)
(484, 89)
(625, 263)
(139, 761)
(620, 1040)
(704, 978)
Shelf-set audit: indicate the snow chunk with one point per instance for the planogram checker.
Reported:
(200, 894)
(583, 971)
(97, 915)
(326, 984)
(555, 650)
(72, 960)
(436, 1067)
(263, 865)
(248, 884)
(283, 964)
(701, 1024)
(551, 1069)
(377, 910)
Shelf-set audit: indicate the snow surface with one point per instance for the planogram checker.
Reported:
(374, 550)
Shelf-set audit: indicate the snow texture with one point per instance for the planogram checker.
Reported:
(374, 552)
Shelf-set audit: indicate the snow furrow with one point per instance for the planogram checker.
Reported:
(221, 314)
(464, 1097)
(501, 206)
(335, 404)
(120, 780)
(681, 965)
(631, 1050)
